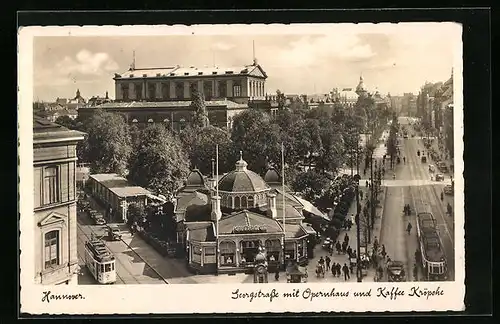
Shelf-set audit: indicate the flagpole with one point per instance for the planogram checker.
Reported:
(217, 184)
(283, 194)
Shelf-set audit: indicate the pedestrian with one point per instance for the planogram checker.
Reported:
(277, 275)
(349, 222)
(442, 196)
(327, 260)
(383, 253)
(334, 269)
(330, 248)
(338, 247)
(375, 244)
(339, 267)
(349, 252)
(361, 194)
(344, 247)
(346, 239)
(404, 160)
(366, 183)
(408, 228)
(345, 269)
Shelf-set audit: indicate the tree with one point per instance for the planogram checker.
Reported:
(108, 144)
(311, 184)
(200, 143)
(66, 121)
(331, 156)
(200, 115)
(160, 163)
(281, 99)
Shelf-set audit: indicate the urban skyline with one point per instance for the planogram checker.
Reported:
(296, 63)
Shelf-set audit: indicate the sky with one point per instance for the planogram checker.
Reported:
(393, 60)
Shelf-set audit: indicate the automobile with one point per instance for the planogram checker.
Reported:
(99, 219)
(439, 177)
(327, 243)
(442, 167)
(114, 233)
(448, 190)
(432, 168)
(424, 159)
(405, 136)
(92, 213)
(396, 271)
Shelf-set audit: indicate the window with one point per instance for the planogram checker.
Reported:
(222, 89)
(236, 202)
(125, 91)
(244, 202)
(237, 89)
(51, 249)
(107, 267)
(152, 90)
(210, 251)
(193, 87)
(196, 249)
(207, 90)
(179, 90)
(138, 91)
(165, 90)
(250, 201)
(227, 253)
(50, 185)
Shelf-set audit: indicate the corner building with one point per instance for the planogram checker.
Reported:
(55, 222)
(222, 233)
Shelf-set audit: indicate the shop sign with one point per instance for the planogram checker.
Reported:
(247, 229)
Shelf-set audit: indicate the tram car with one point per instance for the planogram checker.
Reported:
(432, 255)
(100, 261)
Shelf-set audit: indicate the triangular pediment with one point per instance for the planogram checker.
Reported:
(258, 72)
(52, 218)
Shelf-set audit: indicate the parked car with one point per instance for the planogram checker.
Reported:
(114, 233)
(99, 219)
(442, 167)
(432, 168)
(439, 177)
(424, 159)
(448, 190)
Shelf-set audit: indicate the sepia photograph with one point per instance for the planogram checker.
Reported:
(319, 156)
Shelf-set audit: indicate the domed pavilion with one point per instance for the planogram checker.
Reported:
(223, 222)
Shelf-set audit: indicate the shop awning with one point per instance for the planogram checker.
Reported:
(311, 209)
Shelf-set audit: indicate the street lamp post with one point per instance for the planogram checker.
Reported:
(358, 239)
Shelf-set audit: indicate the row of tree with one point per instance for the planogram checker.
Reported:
(156, 158)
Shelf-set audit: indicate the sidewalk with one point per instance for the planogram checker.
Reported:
(319, 251)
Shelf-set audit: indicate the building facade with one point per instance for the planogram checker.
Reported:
(223, 227)
(54, 164)
(164, 95)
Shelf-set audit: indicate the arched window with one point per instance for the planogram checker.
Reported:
(51, 252)
(251, 202)
(227, 253)
(237, 203)
(244, 202)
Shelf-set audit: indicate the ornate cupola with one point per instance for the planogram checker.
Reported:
(241, 165)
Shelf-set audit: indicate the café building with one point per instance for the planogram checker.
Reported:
(223, 233)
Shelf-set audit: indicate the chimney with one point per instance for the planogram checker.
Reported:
(271, 205)
(216, 213)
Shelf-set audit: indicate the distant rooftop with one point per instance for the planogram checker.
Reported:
(44, 130)
(168, 104)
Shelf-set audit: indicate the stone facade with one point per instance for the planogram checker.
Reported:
(54, 165)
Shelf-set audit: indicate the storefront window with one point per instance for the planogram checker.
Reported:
(273, 249)
(227, 253)
(289, 250)
(249, 250)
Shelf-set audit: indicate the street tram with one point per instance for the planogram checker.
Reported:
(100, 261)
(432, 255)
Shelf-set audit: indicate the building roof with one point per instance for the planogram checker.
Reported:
(310, 208)
(294, 231)
(242, 180)
(130, 191)
(193, 198)
(46, 131)
(247, 218)
(178, 71)
(272, 176)
(195, 179)
(201, 231)
(167, 104)
(119, 185)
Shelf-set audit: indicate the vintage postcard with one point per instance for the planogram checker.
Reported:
(241, 168)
